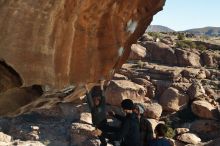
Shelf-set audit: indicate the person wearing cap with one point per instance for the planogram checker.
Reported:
(97, 105)
(129, 133)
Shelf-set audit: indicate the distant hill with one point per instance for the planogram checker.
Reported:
(209, 31)
(159, 28)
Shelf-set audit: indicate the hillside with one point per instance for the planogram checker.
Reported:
(159, 28)
(209, 31)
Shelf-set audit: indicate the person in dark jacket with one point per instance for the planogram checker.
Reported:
(146, 131)
(97, 105)
(160, 139)
(129, 133)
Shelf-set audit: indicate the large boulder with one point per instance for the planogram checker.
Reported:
(206, 129)
(196, 90)
(161, 86)
(203, 109)
(153, 111)
(191, 73)
(187, 58)
(137, 52)
(147, 85)
(189, 138)
(119, 90)
(160, 52)
(57, 43)
(211, 59)
(173, 100)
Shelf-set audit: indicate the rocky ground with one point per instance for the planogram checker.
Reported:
(175, 77)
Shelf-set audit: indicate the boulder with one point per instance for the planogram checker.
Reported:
(119, 77)
(161, 86)
(81, 135)
(137, 52)
(182, 87)
(203, 109)
(201, 74)
(160, 52)
(181, 130)
(147, 85)
(86, 117)
(211, 59)
(146, 37)
(196, 90)
(189, 138)
(167, 40)
(206, 129)
(69, 42)
(119, 90)
(24, 132)
(5, 138)
(173, 100)
(161, 72)
(187, 58)
(191, 73)
(154, 123)
(211, 93)
(215, 74)
(214, 142)
(141, 81)
(27, 143)
(153, 111)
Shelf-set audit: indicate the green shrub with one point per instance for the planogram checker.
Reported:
(155, 35)
(201, 47)
(140, 64)
(185, 44)
(170, 132)
(181, 36)
(180, 44)
(191, 44)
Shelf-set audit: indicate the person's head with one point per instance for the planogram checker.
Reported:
(96, 93)
(160, 130)
(127, 105)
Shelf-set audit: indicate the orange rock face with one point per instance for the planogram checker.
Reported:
(70, 42)
(62, 42)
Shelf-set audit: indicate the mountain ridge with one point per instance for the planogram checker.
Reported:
(209, 30)
(159, 28)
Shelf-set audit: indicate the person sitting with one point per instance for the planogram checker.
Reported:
(160, 139)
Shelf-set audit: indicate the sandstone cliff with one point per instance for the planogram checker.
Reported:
(57, 43)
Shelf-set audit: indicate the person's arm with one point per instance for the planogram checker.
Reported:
(89, 98)
(122, 133)
(119, 117)
(103, 100)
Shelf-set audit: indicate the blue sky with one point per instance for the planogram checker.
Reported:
(186, 14)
